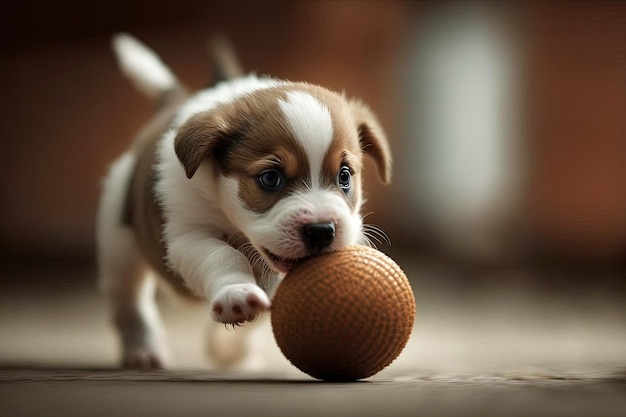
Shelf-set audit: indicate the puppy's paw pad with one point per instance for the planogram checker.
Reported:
(239, 303)
(217, 308)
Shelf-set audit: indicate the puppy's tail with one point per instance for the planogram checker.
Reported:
(143, 67)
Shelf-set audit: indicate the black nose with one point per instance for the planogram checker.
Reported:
(318, 235)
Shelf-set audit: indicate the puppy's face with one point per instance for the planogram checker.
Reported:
(288, 162)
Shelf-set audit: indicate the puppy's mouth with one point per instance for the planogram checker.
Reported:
(280, 263)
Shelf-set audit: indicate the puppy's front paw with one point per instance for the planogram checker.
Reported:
(236, 304)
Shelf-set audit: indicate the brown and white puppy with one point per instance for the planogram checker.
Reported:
(224, 191)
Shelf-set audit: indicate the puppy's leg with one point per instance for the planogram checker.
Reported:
(226, 347)
(238, 347)
(124, 278)
(130, 290)
(219, 272)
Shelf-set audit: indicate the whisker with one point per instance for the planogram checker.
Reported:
(365, 216)
(373, 234)
(258, 262)
(367, 241)
(382, 236)
(235, 238)
(380, 232)
(376, 233)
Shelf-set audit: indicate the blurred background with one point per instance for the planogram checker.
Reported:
(507, 121)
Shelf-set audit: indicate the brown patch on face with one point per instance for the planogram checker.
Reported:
(344, 150)
(260, 140)
(356, 131)
(250, 135)
(246, 167)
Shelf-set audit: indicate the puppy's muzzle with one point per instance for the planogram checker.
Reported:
(318, 236)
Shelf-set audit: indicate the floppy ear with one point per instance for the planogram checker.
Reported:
(373, 139)
(200, 137)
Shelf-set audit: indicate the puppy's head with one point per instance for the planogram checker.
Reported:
(288, 163)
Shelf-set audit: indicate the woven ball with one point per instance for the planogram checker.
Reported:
(345, 315)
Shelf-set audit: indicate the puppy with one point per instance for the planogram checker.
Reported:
(224, 191)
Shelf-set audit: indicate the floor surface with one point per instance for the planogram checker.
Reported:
(498, 344)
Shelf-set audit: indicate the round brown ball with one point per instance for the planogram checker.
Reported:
(345, 315)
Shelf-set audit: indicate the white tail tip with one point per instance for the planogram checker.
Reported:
(142, 66)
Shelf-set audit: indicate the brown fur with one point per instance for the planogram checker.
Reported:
(247, 136)
(142, 212)
(244, 138)
(373, 139)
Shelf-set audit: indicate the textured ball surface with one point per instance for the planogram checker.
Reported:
(344, 315)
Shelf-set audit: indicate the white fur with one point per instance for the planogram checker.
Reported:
(222, 93)
(278, 230)
(194, 217)
(200, 211)
(311, 125)
(142, 66)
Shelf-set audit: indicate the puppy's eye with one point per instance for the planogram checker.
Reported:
(270, 179)
(344, 179)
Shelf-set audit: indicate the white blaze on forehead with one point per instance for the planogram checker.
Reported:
(312, 127)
